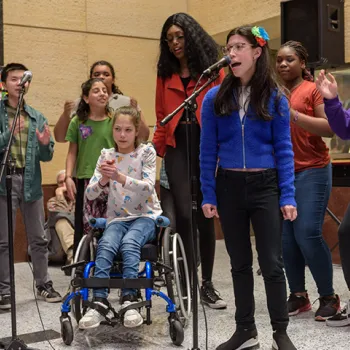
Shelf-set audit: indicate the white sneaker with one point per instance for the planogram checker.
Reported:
(132, 318)
(93, 318)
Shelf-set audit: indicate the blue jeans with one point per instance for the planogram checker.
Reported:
(126, 237)
(302, 239)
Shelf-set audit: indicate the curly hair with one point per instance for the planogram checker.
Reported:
(83, 109)
(200, 49)
(262, 83)
(115, 88)
(303, 55)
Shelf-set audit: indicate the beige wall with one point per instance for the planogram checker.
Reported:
(60, 39)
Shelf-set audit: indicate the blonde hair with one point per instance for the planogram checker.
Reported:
(135, 116)
(60, 173)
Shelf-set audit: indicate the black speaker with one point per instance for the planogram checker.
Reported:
(319, 26)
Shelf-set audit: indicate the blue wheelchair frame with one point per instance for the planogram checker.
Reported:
(145, 281)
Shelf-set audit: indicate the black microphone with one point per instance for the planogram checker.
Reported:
(27, 77)
(224, 62)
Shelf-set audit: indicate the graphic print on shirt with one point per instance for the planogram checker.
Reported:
(85, 131)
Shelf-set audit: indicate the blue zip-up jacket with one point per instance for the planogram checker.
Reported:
(35, 152)
(228, 142)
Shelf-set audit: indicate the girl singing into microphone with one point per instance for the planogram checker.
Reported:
(247, 174)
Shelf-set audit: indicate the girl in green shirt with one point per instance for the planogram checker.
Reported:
(88, 133)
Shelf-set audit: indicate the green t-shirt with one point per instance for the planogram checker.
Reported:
(91, 136)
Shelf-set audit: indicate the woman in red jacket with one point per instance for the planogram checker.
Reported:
(186, 50)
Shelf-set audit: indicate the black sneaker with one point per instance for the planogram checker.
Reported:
(329, 307)
(341, 319)
(211, 297)
(281, 341)
(5, 302)
(242, 339)
(47, 293)
(298, 304)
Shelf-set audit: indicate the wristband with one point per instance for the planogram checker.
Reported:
(296, 116)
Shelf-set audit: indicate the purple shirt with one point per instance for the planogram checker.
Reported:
(338, 117)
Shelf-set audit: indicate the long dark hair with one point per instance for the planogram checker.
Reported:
(262, 83)
(83, 109)
(303, 55)
(115, 88)
(200, 49)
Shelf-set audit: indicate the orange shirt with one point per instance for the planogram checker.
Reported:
(170, 93)
(309, 150)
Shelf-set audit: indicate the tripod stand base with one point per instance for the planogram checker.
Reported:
(17, 344)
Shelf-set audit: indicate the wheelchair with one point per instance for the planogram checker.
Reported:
(165, 266)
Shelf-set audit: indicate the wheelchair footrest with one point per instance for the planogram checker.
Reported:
(93, 282)
(138, 305)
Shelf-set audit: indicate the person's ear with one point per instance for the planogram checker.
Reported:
(257, 53)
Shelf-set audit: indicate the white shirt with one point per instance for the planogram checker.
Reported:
(244, 100)
(138, 197)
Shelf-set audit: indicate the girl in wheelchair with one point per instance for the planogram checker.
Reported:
(129, 169)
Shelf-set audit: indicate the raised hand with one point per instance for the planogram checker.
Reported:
(68, 107)
(44, 136)
(327, 87)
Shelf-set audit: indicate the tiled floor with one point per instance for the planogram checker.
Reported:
(304, 331)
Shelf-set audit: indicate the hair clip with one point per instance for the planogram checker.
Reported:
(261, 35)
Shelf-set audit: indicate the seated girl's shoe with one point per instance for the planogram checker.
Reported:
(100, 311)
(132, 318)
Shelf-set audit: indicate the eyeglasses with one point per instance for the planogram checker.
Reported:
(177, 38)
(238, 47)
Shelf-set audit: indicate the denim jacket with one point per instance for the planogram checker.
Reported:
(35, 152)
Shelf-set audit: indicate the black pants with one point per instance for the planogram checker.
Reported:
(245, 196)
(78, 214)
(344, 245)
(177, 172)
(168, 206)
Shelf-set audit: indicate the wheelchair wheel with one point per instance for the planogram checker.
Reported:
(85, 251)
(176, 332)
(178, 281)
(67, 333)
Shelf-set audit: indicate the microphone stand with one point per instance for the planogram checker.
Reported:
(190, 107)
(16, 343)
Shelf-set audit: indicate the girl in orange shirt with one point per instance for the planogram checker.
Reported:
(302, 239)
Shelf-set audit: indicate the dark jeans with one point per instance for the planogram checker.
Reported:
(344, 245)
(253, 196)
(303, 242)
(177, 171)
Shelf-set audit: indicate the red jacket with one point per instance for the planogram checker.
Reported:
(170, 94)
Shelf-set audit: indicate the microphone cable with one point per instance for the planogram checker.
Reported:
(37, 304)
